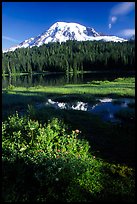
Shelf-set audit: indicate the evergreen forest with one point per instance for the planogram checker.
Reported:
(71, 56)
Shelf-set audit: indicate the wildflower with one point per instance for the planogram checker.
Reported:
(58, 150)
(39, 150)
(94, 157)
(77, 131)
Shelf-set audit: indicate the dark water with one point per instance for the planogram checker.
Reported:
(61, 79)
(106, 108)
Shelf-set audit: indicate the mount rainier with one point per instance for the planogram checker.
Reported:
(61, 32)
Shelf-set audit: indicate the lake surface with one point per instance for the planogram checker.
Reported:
(58, 79)
(106, 108)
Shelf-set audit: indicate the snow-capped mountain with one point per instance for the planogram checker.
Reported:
(24, 44)
(132, 37)
(61, 32)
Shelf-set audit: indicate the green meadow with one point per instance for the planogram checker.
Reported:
(67, 155)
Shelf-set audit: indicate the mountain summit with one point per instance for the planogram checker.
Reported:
(61, 32)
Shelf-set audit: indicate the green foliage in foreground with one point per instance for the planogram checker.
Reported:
(50, 163)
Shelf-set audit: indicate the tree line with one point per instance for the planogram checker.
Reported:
(71, 56)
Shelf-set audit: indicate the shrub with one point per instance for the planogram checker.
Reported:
(49, 163)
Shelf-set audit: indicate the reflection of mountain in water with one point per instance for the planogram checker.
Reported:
(106, 108)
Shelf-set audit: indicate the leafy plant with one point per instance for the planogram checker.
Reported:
(48, 162)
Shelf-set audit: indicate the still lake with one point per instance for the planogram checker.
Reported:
(58, 79)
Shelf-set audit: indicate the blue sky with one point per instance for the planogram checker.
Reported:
(22, 20)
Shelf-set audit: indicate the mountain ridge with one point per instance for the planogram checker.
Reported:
(63, 31)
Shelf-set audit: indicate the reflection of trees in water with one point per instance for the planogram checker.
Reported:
(5, 82)
(34, 80)
(12, 80)
(74, 78)
(59, 79)
(9, 81)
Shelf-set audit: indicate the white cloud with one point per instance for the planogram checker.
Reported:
(127, 32)
(113, 19)
(123, 8)
(10, 39)
(109, 25)
(120, 10)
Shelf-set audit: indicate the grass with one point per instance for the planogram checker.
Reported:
(22, 96)
(66, 155)
(48, 162)
(16, 98)
(119, 87)
(103, 137)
